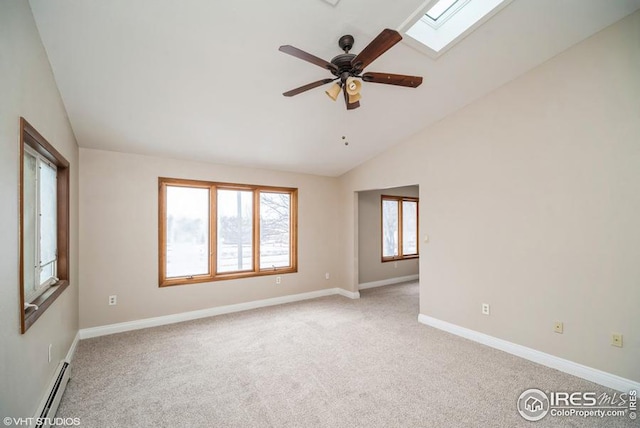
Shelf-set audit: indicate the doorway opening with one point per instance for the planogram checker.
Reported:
(387, 237)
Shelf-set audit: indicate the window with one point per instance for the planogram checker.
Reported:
(446, 22)
(40, 197)
(215, 231)
(44, 224)
(399, 228)
(443, 9)
(235, 230)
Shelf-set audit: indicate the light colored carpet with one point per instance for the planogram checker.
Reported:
(328, 362)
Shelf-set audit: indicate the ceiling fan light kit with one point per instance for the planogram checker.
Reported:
(334, 91)
(353, 86)
(348, 67)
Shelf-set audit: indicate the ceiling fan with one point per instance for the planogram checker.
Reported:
(348, 67)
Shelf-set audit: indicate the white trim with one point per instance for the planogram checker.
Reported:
(389, 281)
(104, 330)
(72, 349)
(349, 294)
(593, 375)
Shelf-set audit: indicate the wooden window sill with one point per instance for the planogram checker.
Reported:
(43, 302)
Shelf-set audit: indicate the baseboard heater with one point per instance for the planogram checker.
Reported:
(49, 406)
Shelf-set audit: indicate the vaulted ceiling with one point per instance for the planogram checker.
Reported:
(203, 80)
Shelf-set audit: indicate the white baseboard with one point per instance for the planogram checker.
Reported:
(72, 348)
(87, 333)
(588, 373)
(389, 281)
(349, 294)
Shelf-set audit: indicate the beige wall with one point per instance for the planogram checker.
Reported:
(28, 89)
(370, 266)
(119, 238)
(531, 199)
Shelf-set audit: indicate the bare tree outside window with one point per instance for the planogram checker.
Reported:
(275, 224)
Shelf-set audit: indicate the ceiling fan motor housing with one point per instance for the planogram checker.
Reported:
(343, 61)
(343, 64)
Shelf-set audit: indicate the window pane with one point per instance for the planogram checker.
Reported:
(187, 251)
(275, 226)
(29, 226)
(389, 228)
(48, 225)
(409, 227)
(440, 8)
(235, 230)
(46, 273)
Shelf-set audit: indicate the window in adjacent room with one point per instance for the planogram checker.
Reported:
(213, 231)
(44, 224)
(399, 228)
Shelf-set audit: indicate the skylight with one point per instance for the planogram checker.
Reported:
(442, 11)
(440, 8)
(446, 22)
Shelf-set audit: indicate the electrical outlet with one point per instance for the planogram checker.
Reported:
(326, 275)
(49, 353)
(485, 309)
(113, 300)
(558, 327)
(395, 264)
(278, 279)
(616, 340)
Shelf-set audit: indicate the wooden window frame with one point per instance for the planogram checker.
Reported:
(213, 187)
(399, 200)
(32, 138)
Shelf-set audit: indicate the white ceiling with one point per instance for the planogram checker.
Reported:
(203, 79)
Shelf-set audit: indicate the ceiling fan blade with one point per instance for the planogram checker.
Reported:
(305, 56)
(385, 41)
(306, 87)
(393, 79)
(350, 106)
